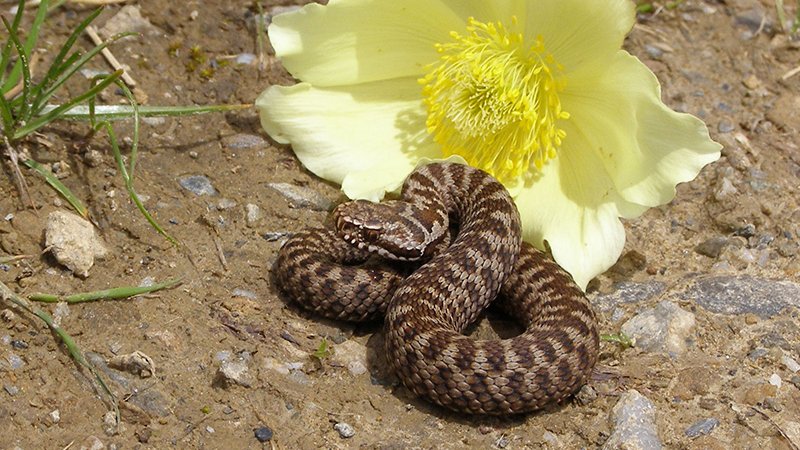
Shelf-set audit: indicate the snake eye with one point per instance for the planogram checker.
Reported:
(370, 234)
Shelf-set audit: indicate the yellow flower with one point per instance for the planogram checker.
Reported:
(536, 92)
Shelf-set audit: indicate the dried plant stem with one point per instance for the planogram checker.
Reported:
(16, 174)
(112, 60)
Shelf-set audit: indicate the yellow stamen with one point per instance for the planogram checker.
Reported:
(494, 100)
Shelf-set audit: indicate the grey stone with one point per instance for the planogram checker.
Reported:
(253, 214)
(725, 126)
(345, 430)
(225, 203)
(634, 419)
(15, 361)
(244, 293)
(628, 292)
(586, 395)
(754, 19)
(702, 427)
(11, 389)
(242, 141)
(273, 236)
(742, 294)
(757, 353)
(263, 434)
(665, 329)
(712, 247)
(302, 197)
(352, 355)
(128, 20)
(653, 51)
(235, 371)
(152, 401)
(197, 184)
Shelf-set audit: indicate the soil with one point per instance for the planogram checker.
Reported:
(232, 359)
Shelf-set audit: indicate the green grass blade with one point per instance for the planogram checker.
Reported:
(72, 348)
(6, 80)
(122, 112)
(107, 294)
(135, 143)
(129, 184)
(6, 116)
(58, 65)
(59, 187)
(33, 32)
(25, 68)
(25, 50)
(68, 71)
(42, 120)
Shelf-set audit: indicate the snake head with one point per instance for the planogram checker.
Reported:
(355, 224)
(375, 227)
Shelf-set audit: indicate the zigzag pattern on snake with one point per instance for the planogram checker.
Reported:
(427, 311)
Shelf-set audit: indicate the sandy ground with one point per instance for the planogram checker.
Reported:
(725, 251)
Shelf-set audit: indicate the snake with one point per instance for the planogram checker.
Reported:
(429, 263)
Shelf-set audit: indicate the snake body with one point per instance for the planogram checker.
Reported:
(427, 311)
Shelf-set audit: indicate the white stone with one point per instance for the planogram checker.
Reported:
(73, 242)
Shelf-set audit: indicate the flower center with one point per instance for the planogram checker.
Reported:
(493, 99)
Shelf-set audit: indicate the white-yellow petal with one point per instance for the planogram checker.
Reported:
(336, 132)
(359, 41)
(579, 32)
(574, 207)
(645, 147)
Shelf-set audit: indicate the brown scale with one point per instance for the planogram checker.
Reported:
(428, 310)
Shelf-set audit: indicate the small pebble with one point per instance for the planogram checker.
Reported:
(775, 380)
(55, 416)
(235, 372)
(502, 441)
(263, 434)
(11, 389)
(708, 403)
(746, 231)
(197, 184)
(242, 141)
(253, 214)
(110, 423)
(225, 203)
(634, 418)
(790, 363)
(725, 126)
(345, 430)
(245, 58)
(15, 361)
(238, 292)
(210, 429)
(773, 404)
(712, 247)
(653, 51)
(551, 439)
(302, 197)
(273, 236)
(73, 242)
(19, 344)
(702, 427)
(586, 395)
(667, 328)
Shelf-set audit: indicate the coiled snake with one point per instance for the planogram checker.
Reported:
(427, 311)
